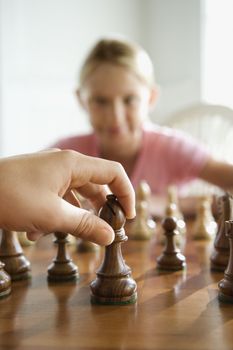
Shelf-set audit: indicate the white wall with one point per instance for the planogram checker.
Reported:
(174, 42)
(43, 42)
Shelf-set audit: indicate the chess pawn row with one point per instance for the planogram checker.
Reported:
(205, 226)
(113, 284)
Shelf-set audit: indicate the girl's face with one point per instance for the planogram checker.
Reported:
(117, 102)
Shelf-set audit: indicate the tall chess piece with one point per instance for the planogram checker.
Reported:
(220, 256)
(171, 258)
(205, 226)
(5, 282)
(11, 254)
(113, 284)
(142, 227)
(226, 284)
(62, 268)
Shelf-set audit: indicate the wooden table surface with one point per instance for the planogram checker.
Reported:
(175, 310)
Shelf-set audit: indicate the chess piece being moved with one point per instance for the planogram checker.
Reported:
(226, 284)
(142, 227)
(62, 268)
(5, 282)
(205, 226)
(113, 284)
(220, 256)
(171, 258)
(11, 254)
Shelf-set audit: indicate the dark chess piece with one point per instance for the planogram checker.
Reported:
(226, 284)
(5, 282)
(62, 268)
(171, 258)
(113, 284)
(142, 227)
(11, 254)
(220, 256)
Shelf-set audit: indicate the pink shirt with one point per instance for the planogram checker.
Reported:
(167, 156)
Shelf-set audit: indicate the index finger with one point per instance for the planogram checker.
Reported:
(106, 172)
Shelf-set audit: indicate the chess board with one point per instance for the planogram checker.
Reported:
(174, 310)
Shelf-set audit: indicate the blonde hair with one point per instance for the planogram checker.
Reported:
(122, 53)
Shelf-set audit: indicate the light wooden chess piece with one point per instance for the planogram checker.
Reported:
(5, 282)
(62, 268)
(11, 254)
(142, 227)
(226, 284)
(220, 256)
(72, 240)
(172, 210)
(205, 226)
(23, 239)
(171, 258)
(113, 284)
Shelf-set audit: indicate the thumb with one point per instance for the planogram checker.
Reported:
(84, 224)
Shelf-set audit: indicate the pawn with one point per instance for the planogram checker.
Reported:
(171, 258)
(23, 239)
(72, 240)
(220, 255)
(142, 227)
(113, 284)
(172, 210)
(226, 284)
(5, 282)
(62, 268)
(205, 226)
(11, 254)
